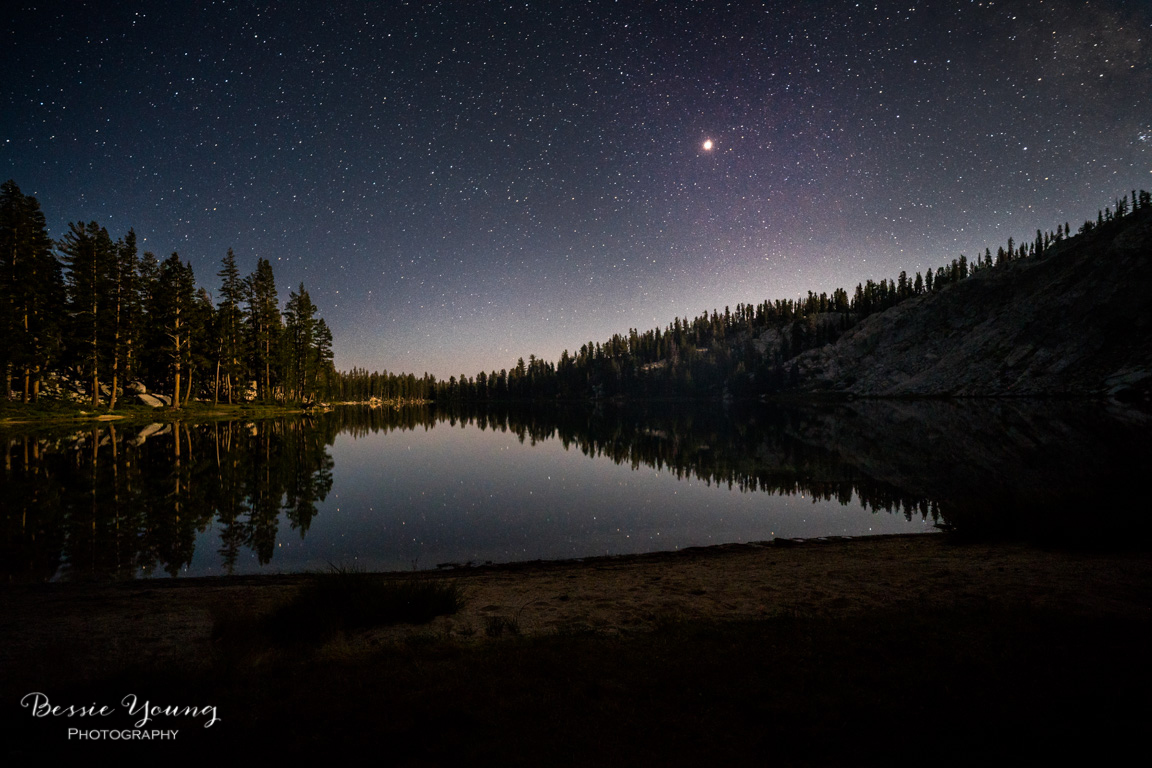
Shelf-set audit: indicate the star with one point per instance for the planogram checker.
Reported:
(481, 162)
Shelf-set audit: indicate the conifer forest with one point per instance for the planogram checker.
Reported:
(91, 317)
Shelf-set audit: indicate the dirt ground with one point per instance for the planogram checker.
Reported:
(74, 632)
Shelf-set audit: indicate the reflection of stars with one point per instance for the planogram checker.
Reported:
(707, 145)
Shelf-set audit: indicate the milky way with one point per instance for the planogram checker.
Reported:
(459, 184)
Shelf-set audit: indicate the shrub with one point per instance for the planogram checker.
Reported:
(345, 599)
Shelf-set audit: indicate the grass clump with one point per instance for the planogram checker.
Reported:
(347, 599)
(495, 626)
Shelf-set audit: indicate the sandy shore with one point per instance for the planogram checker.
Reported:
(970, 649)
(77, 632)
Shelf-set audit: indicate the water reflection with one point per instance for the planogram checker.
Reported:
(110, 502)
(419, 486)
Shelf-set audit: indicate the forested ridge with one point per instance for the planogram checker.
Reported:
(90, 317)
(88, 314)
(752, 351)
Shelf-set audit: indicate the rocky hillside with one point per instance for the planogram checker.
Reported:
(1075, 321)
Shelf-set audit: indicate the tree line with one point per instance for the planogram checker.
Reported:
(92, 311)
(89, 309)
(746, 352)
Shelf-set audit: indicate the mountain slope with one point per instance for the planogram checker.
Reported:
(1076, 321)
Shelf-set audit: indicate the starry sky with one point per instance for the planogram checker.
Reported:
(459, 184)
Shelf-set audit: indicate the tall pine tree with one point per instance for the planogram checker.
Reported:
(90, 258)
(299, 339)
(174, 307)
(31, 293)
(123, 312)
(263, 326)
(232, 347)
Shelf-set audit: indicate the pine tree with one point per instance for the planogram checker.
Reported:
(151, 363)
(175, 307)
(299, 337)
(90, 257)
(322, 350)
(232, 348)
(31, 293)
(264, 325)
(203, 342)
(123, 311)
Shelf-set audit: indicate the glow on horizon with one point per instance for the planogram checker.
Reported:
(458, 189)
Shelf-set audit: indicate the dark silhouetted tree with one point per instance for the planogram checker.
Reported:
(264, 325)
(31, 293)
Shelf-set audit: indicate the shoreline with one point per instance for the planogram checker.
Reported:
(728, 654)
(171, 620)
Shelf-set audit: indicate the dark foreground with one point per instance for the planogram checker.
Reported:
(974, 674)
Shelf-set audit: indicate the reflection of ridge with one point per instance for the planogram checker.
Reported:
(1060, 471)
(754, 450)
(1017, 467)
(112, 502)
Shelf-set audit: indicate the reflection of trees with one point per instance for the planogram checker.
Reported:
(311, 480)
(109, 502)
(1058, 471)
(31, 525)
(749, 448)
(231, 504)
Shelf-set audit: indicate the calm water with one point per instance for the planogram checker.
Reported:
(418, 488)
(425, 497)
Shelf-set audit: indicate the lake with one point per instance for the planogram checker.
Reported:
(421, 488)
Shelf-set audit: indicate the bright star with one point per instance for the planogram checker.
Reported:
(708, 145)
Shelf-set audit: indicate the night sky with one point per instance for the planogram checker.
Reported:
(459, 184)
